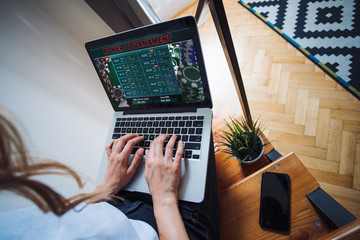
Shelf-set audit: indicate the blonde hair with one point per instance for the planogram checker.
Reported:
(17, 170)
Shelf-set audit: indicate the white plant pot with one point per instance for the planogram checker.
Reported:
(256, 159)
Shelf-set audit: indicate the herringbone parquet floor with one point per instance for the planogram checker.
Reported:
(304, 110)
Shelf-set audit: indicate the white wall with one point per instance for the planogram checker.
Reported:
(47, 81)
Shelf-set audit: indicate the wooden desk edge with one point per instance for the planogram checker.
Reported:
(350, 231)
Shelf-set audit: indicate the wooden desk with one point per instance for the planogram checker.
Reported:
(240, 204)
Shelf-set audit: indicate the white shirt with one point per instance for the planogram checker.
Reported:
(93, 221)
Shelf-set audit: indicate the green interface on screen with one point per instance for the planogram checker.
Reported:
(146, 72)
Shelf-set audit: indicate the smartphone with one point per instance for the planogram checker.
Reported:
(275, 202)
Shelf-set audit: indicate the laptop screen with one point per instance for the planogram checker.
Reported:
(154, 66)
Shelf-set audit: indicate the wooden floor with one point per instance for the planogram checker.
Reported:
(303, 109)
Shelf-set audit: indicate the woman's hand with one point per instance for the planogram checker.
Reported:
(162, 173)
(118, 173)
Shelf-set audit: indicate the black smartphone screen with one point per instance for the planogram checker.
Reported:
(275, 202)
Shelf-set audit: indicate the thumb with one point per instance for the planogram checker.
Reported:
(136, 160)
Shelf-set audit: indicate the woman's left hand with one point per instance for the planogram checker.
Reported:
(162, 173)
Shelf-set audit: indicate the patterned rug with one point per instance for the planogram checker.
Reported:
(326, 31)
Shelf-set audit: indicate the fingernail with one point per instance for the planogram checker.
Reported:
(141, 151)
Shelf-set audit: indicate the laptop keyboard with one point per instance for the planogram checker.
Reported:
(187, 128)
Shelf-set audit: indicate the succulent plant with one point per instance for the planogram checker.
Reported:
(242, 141)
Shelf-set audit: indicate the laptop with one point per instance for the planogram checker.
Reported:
(155, 79)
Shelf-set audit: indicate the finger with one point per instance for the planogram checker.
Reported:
(131, 143)
(179, 154)
(147, 164)
(147, 155)
(157, 145)
(170, 148)
(120, 143)
(109, 147)
(136, 161)
(216, 146)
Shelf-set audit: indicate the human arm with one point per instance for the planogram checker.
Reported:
(118, 173)
(162, 174)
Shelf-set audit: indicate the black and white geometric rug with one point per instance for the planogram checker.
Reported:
(326, 31)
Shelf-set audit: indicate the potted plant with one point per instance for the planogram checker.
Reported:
(242, 141)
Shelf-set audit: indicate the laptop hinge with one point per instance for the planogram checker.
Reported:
(166, 110)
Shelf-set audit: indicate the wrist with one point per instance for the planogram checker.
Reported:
(104, 189)
(100, 193)
(165, 208)
(165, 200)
